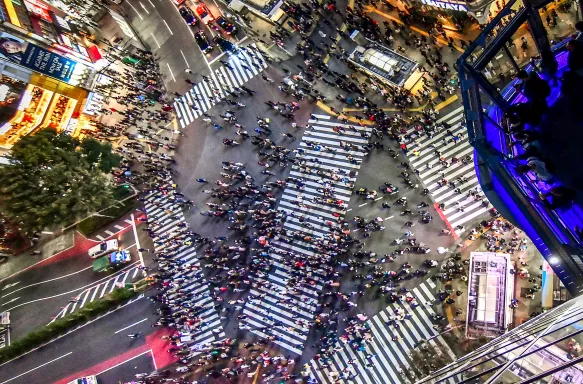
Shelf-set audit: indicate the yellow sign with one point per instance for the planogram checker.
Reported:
(12, 13)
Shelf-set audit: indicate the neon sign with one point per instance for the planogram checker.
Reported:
(445, 5)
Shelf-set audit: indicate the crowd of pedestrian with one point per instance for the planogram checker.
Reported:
(238, 262)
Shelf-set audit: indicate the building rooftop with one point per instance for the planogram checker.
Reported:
(384, 63)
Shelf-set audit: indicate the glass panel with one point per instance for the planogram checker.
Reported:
(492, 115)
(559, 20)
(505, 21)
(500, 70)
(522, 46)
(475, 55)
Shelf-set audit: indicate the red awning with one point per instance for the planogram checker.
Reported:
(94, 53)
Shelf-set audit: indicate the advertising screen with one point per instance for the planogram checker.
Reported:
(36, 58)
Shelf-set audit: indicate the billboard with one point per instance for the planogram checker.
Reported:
(38, 9)
(36, 58)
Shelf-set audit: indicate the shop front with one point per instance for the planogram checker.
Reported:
(44, 102)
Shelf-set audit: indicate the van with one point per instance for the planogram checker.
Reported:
(103, 248)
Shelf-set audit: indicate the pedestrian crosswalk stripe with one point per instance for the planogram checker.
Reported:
(460, 203)
(222, 79)
(168, 220)
(386, 359)
(296, 312)
(90, 294)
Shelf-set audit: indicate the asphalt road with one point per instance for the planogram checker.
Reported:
(160, 25)
(87, 347)
(200, 155)
(36, 295)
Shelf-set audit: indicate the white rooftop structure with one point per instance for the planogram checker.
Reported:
(490, 293)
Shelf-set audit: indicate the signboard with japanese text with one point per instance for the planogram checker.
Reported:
(36, 58)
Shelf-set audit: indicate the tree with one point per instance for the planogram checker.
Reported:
(100, 153)
(50, 181)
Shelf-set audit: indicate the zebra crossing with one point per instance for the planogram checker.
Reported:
(276, 311)
(390, 358)
(168, 221)
(128, 274)
(243, 68)
(460, 208)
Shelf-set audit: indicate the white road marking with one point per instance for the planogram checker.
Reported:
(167, 26)
(45, 281)
(362, 205)
(135, 10)
(217, 58)
(130, 359)
(184, 57)
(10, 301)
(131, 325)
(144, 8)
(10, 285)
(34, 369)
(153, 37)
(171, 73)
(73, 290)
(378, 198)
(137, 244)
(152, 4)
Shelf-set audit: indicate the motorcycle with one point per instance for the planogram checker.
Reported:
(430, 263)
(361, 191)
(402, 201)
(422, 205)
(388, 189)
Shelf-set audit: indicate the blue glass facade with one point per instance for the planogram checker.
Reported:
(517, 195)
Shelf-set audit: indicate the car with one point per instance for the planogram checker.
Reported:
(187, 15)
(225, 44)
(226, 25)
(178, 2)
(203, 42)
(103, 248)
(204, 13)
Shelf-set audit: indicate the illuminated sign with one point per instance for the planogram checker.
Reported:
(62, 22)
(12, 13)
(39, 9)
(446, 5)
(34, 57)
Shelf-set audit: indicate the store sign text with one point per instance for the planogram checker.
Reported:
(445, 5)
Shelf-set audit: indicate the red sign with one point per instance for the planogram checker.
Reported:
(39, 9)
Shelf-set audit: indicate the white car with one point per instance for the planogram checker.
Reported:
(103, 248)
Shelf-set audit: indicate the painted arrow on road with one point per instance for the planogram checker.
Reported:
(11, 285)
(10, 301)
